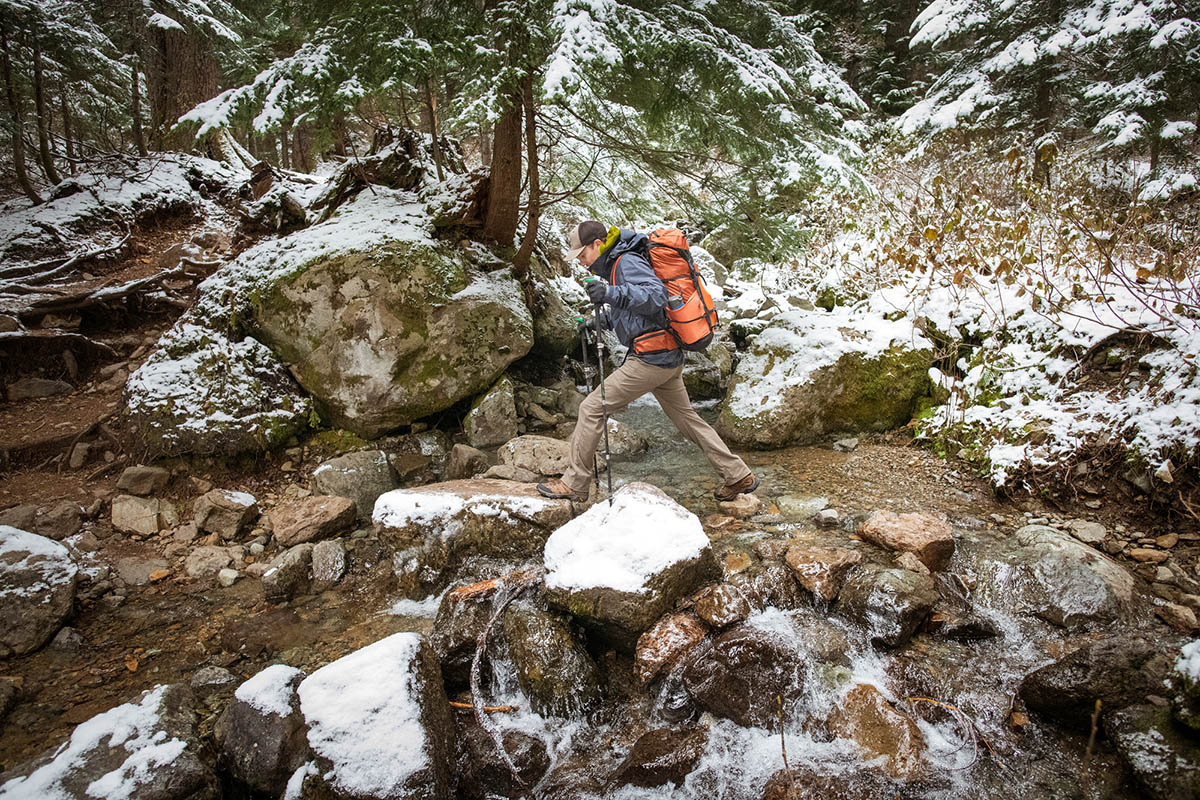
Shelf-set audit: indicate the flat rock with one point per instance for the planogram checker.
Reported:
(225, 512)
(37, 585)
(668, 641)
(260, 735)
(139, 515)
(311, 518)
(822, 570)
(362, 476)
(617, 568)
(138, 571)
(508, 472)
(744, 506)
(60, 520)
(929, 538)
(143, 481)
(1086, 531)
(538, 454)
(32, 388)
(801, 507)
(1148, 555)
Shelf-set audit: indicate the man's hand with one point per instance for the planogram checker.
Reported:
(592, 326)
(597, 291)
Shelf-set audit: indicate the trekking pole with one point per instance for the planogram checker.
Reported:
(603, 405)
(587, 379)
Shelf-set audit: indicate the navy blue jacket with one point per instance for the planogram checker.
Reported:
(637, 299)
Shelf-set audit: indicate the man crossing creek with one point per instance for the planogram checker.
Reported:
(637, 302)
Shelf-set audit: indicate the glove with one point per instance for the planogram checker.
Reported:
(593, 326)
(597, 291)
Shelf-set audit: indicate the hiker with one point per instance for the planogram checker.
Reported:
(636, 299)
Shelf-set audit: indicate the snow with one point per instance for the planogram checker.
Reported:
(270, 690)
(162, 21)
(364, 716)
(22, 552)
(623, 545)
(135, 726)
(401, 507)
(426, 608)
(296, 782)
(1188, 663)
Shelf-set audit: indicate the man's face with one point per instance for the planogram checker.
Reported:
(589, 254)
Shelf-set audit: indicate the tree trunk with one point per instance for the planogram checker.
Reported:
(521, 262)
(504, 188)
(302, 159)
(485, 147)
(285, 158)
(67, 140)
(181, 73)
(43, 116)
(339, 135)
(139, 138)
(431, 105)
(16, 123)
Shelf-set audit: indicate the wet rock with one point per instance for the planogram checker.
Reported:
(361, 476)
(328, 564)
(261, 734)
(465, 462)
(481, 773)
(744, 506)
(721, 606)
(1087, 532)
(225, 513)
(822, 570)
(623, 440)
(954, 617)
(311, 518)
(662, 756)
(206, 561)
(1119, 671)
(143, 481)
(653, 552)
(803, 784)
(37, 581)
(773, 585)
(437, 527)
(889, 603)
(910, 562)
(1164, 762)
(110, 754)
(289, 574)
(741, 673)
(365, 711)
(554, 670)
(828, 518)
(456, 631)
(32, 388)
(865, 716)
(666, 643)
(492, 420)
(57, 522)
(20, 516)
(929, 538)
(143, 516)
(801, 507)
(538, 454)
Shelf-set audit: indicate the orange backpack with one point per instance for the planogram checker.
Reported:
(691, 316)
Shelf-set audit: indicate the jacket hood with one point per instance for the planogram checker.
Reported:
(620, 240)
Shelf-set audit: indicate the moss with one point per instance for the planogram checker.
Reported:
(340, 441)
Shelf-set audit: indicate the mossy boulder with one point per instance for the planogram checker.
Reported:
(394, 332)
(810, 376)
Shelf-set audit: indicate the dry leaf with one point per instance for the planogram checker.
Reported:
(131, 663)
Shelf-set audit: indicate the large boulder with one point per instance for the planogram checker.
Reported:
(437, 527)
(492, 420)
(394, 331)
(379, 724)
(260, 735)
(811, 375)
(619, 566)
(554, 670)
(149, 749)
(1164, 761)
(538, 454)
(706, 375)
(361, 476)
(890, 603)
(37, 584)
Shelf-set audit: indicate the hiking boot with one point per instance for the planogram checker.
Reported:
(557, 490)
(731, 490)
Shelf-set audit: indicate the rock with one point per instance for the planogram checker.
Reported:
(744, 506)
(37, 581)
(740, 674)
(822, 570)
(9, 690)
(1181, 618)
(846, 445)
(419, 458)
(662, 756)
(774, 585)
(623, 440)
(465, 462)
(666, 643)
(801, 508)
(1167, 541)
(1149, 556)
(206, 561)
(1119, 671)
(912, 563)
(1164, 762)
(185, 533)
(67, 639)
(369, 710)
(1087, 532)
(328, 564)
(227, 577)
(554, 670)
(481, 774)
(456, 630)
(361, 476)
(225, 513)
(492, 420)
(507, 472)
(311, 518)
(409, 334)
(143, 481)
(652, 553)
(63, 519)
(207, 679)
(289, 574)
(954, 617)
(706, 375)
(149, 749)
(260, 735)
(721, 606)
(803, 784)
(889, 603)
(781, 393)
(79, 455)
(880, 731)
(138, 570)
(143, 516)
(929, 538)
(437, 527)
(538, 454)
(21, 516)
(828, 518)
(33, 388)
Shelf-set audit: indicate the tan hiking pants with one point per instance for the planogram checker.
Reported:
(631, 381)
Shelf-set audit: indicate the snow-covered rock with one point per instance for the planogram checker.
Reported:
(618, 567)
(37, 589)
(261, 733)
(439, 525)
(149, 750)
(379, 723)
